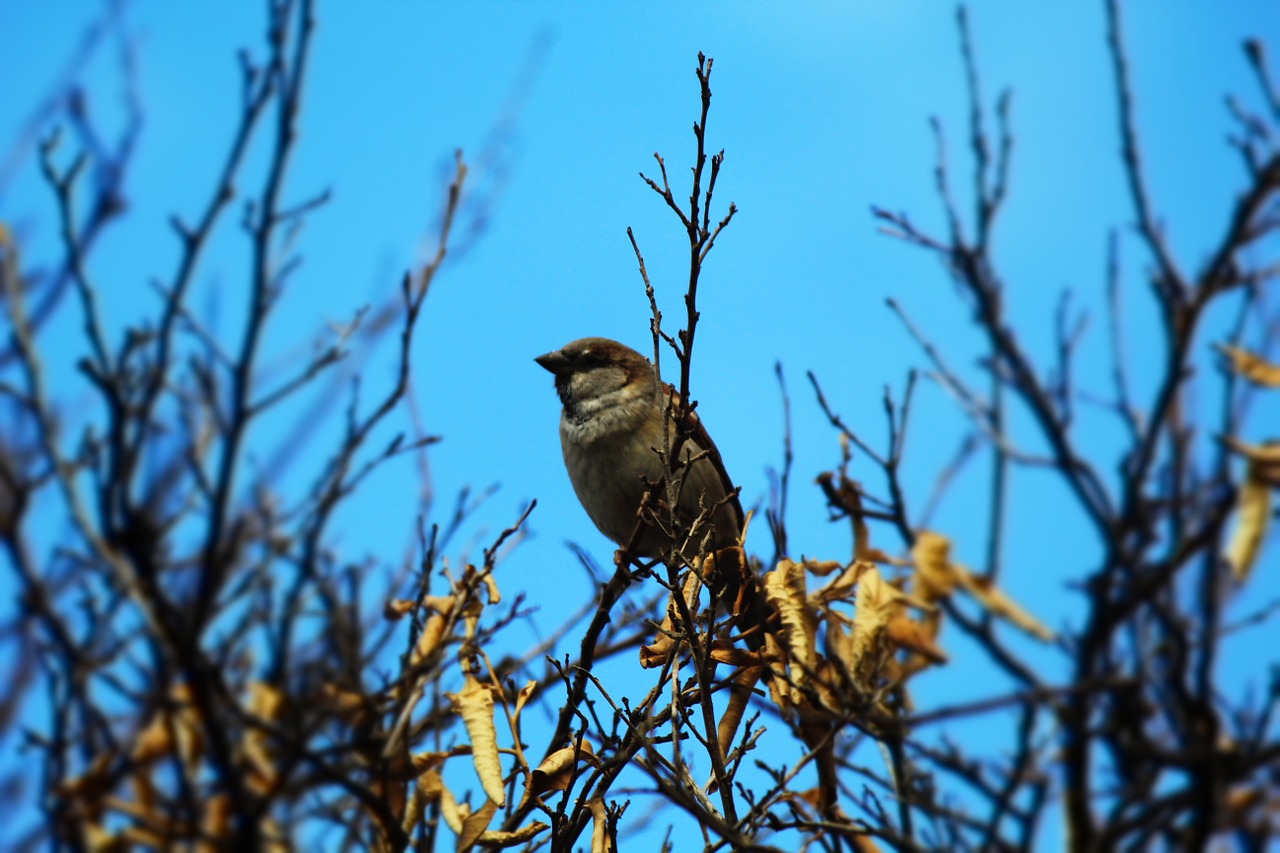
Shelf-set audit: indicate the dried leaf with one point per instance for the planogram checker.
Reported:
(267, 703)
(398, 607)
(474, 825)
(523, 697)
(784, 589)
(1265, 455)
(1250, 366)
(491, 586)
(429, 788)
(725, 652)
(822, 568)
(1253, 517)
(601, 842)
(781, 691)
(557, 769)
(153, 741)
(429, 639)
(523, 835)
(656, 653)
(89, 787)
(994, 600)
(453, 812)
(877, 602)
(915, 637)
(216, 822)
(842, 586)
(474, 703)
(741, 687)
(932, 555)
(348, 706)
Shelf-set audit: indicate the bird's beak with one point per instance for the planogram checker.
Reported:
(554, 361)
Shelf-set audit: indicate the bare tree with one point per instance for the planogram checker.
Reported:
(215, 676)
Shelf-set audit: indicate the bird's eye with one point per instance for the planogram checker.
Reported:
(589, 359)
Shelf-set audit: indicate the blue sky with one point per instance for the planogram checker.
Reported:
(822, 110)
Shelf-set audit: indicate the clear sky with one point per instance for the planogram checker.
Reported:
(822, 110)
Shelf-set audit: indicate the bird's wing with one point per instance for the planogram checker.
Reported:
(701, 440)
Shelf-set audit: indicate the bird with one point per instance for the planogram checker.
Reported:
(611, 426)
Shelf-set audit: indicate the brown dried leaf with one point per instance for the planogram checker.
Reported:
(429, 788)
(474, 703)
(177, 721)
(1265, 455)
(842, 586)
(474, 825)
(877, 602)
(723, 652)
(347, 705)
(784, 589)
(600, 840)
(781, 690)
(522, 698)
(741, 687)
(216, 821)
(993, 599)
(557, 769)
(491, 586)
(1250, 366)
(523, 835)
(914, 636)
(429, 639)
(442, 604)
(822, 568)
(267, 703)
(656, 653)
(453, 812)
(934, 576)
(89, 787)
(397, 608)
(154, 741)
(1253, 517)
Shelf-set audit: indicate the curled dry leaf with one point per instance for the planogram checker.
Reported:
(266, 702)
(822, 568)
(784, 589)
(937, 577)
(453, 812)
(515, 837)
(348, 706)
(398, 607)
(475, 824)
(655, 653)
(491, 587)
(991, 597)
(522, 698)
(741, 686)
(722, 652)
(601, 842)
(841, 587)
(915, 636)
(557, 769)
(783, 693)
(1265, 456)
(1253, 518)
(429, 639)
(474, 703)
(932, 555)
(429, 789)
(1250, 366)
(178, 721)
(875, 605)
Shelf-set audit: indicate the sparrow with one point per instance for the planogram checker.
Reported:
(611, 426)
